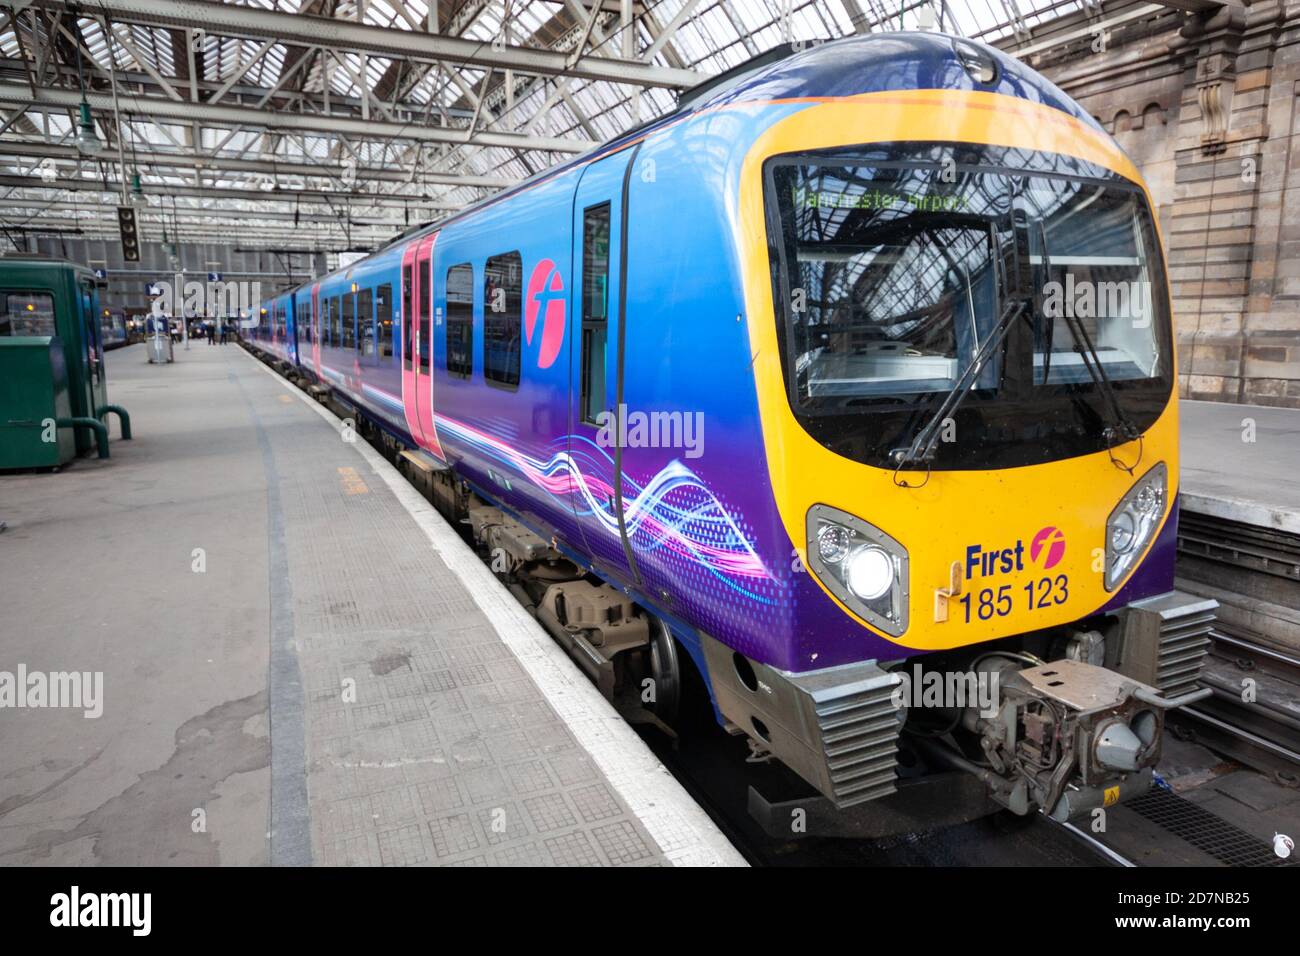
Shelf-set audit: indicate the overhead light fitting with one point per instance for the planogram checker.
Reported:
(88, 143)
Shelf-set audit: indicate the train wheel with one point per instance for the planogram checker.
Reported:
(665, 673)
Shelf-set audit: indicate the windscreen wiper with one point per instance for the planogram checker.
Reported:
(1121, 430)
(922, 449)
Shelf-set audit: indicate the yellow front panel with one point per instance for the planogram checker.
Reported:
(954, 510)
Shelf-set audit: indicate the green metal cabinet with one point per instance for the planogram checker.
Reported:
(58, 301)
(54, 297)
(33, 399)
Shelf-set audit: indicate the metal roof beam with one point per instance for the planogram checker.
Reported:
(322, 236)
(203, 214)
(332, 198)
(257, 23)
(392, 172)
(282, 94)
(157, 108)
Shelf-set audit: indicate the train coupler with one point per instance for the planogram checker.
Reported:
(1068, 737)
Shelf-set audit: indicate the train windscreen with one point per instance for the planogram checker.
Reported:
(892, 270)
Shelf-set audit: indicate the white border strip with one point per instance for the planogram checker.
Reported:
(1238, 509)
(683, 831)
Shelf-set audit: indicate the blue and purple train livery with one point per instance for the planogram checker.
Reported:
(805, 371)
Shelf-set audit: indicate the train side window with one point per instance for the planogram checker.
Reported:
(503, 300)
(27, 313)
(336, 316)
(349, 320)
(384, 319)
(460, 320)
(595, 309)
(366, 322)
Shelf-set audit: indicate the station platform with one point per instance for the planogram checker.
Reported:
(302, 662)
(1242, 463)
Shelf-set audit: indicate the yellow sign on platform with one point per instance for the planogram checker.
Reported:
(352, 482)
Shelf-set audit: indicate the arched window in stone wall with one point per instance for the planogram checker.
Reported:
(1145, 137)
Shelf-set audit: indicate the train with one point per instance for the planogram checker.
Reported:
(115, 330)
(845, 392)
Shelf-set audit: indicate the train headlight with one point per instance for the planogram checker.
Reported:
(869, 572)
(1132, 524)
(861, 565)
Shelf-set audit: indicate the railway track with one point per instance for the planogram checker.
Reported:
(1254, 664)
(1254, 715)
(1107, 854)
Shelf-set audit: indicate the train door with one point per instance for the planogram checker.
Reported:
(314, 324)
(417, 343)
(603, 496)
(292, 331)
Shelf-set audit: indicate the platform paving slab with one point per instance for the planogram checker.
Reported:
(1242, 463)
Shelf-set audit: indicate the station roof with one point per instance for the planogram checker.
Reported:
(335, 124)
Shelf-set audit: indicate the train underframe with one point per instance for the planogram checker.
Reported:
(1062, 721)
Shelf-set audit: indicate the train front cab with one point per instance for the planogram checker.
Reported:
(1024, 542)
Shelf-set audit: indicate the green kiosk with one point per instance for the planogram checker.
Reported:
(53, 387)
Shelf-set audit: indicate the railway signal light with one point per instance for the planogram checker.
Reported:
(130, 234)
